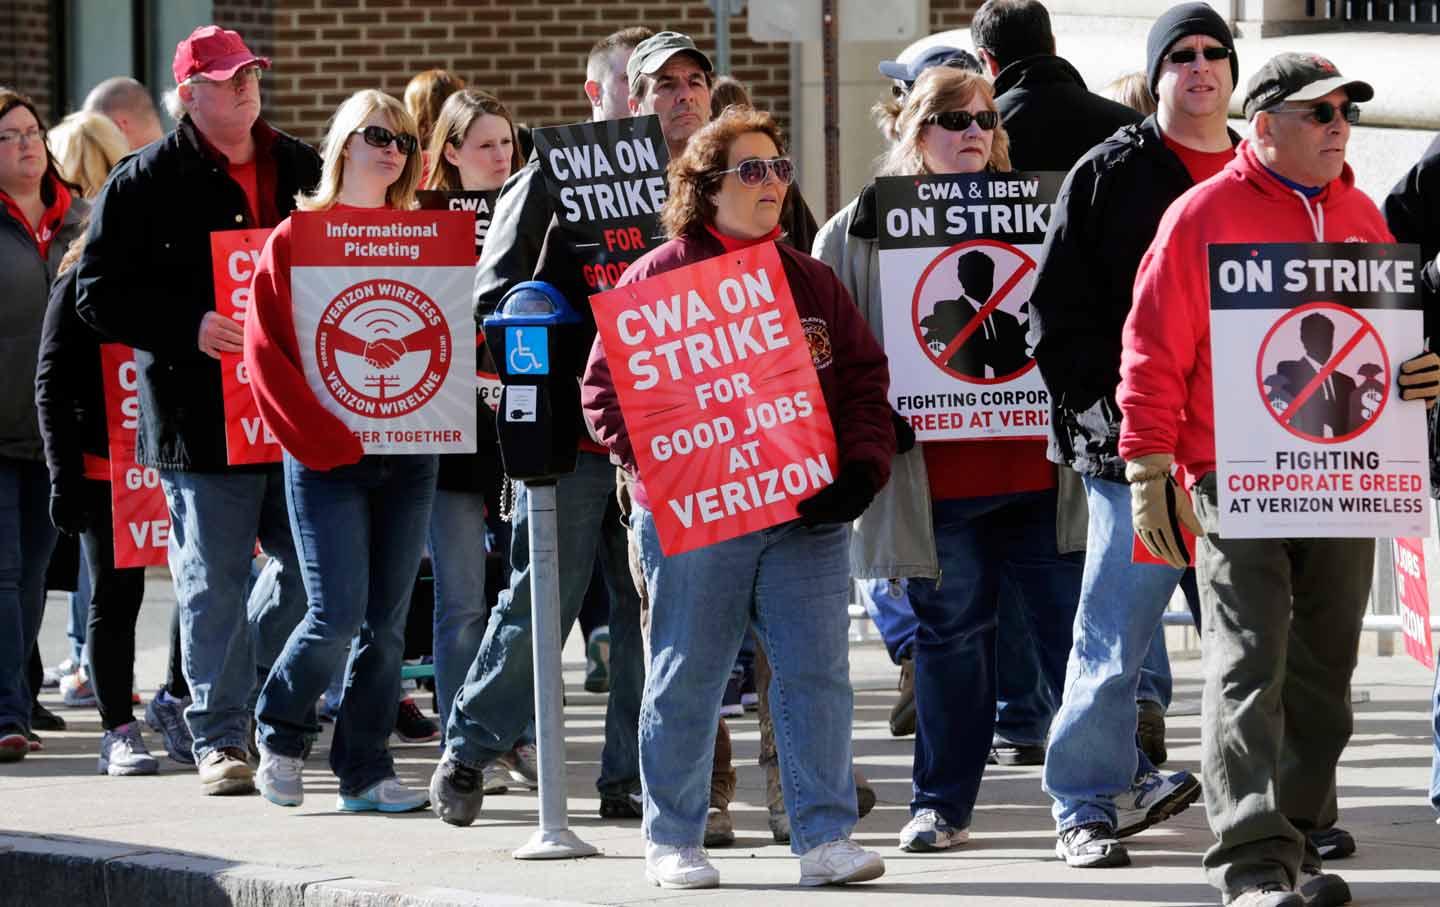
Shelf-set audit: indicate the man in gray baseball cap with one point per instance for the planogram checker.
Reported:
(670, 78)
(1293, 77)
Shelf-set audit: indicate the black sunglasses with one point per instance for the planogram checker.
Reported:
(751, 171)
(1324, 112)
(379, 137)
(1188, 54)
(960, 120)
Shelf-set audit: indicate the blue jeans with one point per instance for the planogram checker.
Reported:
(1092, 755)
(496, 703)
(457, 557)
(359, 532)
(26, 540)
(791, 583)
(1156, 683)
(981, 542)
(888, 604)
(1023, 703)
(215, 518)
(79, 617)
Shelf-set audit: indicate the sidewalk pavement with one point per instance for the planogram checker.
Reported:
(71, 837)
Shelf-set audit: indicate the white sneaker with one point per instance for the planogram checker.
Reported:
(1153, 799)
(523, 769)
(75, 690)
(279, 778)
(496, 777)
(927, 830)
(123, 752)
(679, 867)
(839, 863)
(388, 796)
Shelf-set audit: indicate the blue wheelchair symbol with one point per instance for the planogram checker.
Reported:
(527, 351)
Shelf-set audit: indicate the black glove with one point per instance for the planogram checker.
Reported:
(67, 512)
(904, 434)
(842, 500)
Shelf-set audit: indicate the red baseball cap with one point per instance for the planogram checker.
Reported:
(213, 52)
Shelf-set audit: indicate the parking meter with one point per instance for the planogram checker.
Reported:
(535, 338)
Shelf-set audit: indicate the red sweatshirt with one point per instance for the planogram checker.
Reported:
(305, 428)
(1165, 394)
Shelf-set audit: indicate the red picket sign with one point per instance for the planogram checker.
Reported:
(233, 256)
(1414, 600)
(716, 380)
(140, 516)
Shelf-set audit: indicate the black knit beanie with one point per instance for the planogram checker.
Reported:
(1182, 21)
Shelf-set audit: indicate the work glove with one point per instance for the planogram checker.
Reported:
(1160, 507)
(1420, 378)
(842, 500)
(67, 512)
(904, 434)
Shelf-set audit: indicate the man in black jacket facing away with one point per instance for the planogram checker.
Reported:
(145, 280)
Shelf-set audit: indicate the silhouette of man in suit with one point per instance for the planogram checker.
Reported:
(997, 344)
(1326, 414)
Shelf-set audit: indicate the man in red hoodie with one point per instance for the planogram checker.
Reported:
(1282, 616)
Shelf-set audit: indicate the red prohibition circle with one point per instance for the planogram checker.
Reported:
(417, 303)
(1365, 327)
(1026, 264)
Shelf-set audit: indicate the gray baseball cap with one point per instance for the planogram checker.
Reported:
(651, 54)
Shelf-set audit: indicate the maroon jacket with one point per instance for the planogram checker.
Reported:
(855, 378)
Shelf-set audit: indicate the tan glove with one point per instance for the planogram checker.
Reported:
(1159, 507)
(1420, 378)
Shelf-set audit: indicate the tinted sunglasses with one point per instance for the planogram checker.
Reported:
(960, 120)
(751, 172)
(1324, 112)
(379, 137)
(1188, 55)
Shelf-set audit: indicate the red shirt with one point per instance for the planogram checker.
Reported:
(1201, 164)
(245, 175)
(977, 469)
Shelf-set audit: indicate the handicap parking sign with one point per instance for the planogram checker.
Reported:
(527, 350)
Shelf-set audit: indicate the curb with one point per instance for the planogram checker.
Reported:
(79, 872)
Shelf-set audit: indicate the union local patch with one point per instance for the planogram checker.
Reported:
(817, 335)
(1323, 64)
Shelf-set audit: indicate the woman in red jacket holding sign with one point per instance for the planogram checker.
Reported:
(359, 520)
(791, 580)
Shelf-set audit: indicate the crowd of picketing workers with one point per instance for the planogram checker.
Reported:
(1042, 645)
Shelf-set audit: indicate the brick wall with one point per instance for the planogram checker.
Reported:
(529, 52)
(25, 58)
(948, 14)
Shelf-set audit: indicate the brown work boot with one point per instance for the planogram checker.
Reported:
(864, 792)
(902, 714)
(775, 803)
(225, 771)
(719, 827)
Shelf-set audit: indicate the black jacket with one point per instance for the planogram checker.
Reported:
(69, 390)
(1051, 118)
(145, 280)
(1107, 213)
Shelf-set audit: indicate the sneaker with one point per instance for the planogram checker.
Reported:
(1091, 846)
(1153, 799)
(927, 830)
(679, 867)
(1150, 731)
(50, 679)
(1003, 752)
(1322, 889)
(523, 768)
(622, 806)
(166, 716)
(749, 696)
(719, 827)
(327, 711)
(839, 863)
(411, 725)
(1270, 894)
(496, 776)
(902, 713)
(279, 778)
(42, 719)
(34, 741)
(123, 752)
(730, 706)
(13, 746)
(75, 690)
(456, 791)
(597, 661)
(388, 796)
(225, 772)
(1332, 843)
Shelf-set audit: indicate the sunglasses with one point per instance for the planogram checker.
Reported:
(1188, 55)
(960, 120)
(751, 172)
(379, 137)
(1324, 112)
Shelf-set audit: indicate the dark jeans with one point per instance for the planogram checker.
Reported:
(26, 539)
(115, 596)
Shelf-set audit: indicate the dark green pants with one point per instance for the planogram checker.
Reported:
(1281, 632)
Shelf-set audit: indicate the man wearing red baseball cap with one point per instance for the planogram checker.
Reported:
(146, 280)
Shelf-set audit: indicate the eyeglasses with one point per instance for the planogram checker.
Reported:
(380, 137)
(237, 82)
(1188, 54)
(18, 136)
(960, 120)
(1324, 112)
(751, 171)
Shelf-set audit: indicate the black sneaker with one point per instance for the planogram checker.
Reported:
(1150, 732)
(411, 725)
(621, 806)
(1091, 846)
(456, 791)
(1322, 889)
(1003, 753)
(1333, 843)
(730, 706)
(42, 719)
